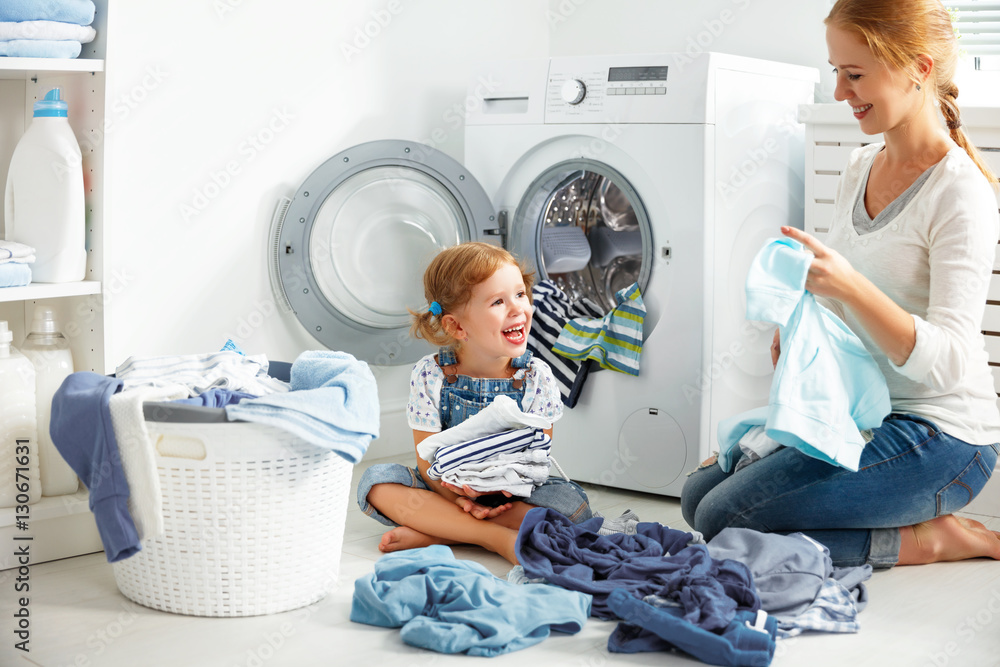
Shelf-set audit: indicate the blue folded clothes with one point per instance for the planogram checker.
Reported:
(14, 274)
(40, 48)
(80, 12)
(333, 403)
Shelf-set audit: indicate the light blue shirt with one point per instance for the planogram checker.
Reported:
(826, 387)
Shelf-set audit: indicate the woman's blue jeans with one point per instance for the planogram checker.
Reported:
(909, 472)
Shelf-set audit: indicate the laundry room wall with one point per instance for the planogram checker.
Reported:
(220, 107)
(789, 31)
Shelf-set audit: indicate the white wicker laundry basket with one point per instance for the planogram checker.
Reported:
(253, 522)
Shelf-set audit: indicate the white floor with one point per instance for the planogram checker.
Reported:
(933, 615)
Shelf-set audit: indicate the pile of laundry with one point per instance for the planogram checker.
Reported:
(50, 29)
(499, 449)
(98, 423)
(726, 602)
(15, 259)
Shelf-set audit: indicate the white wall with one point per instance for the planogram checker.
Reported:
(220, 107)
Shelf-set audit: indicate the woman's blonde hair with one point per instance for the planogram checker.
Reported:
(449, 281)
(897, 32)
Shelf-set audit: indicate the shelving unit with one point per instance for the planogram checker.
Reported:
(62, 526)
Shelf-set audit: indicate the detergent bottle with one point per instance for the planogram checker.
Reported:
(43, 202)
(19, 480)
(48, 351)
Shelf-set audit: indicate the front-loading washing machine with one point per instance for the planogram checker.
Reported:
(674, 168)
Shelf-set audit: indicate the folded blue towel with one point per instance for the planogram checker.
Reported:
(333, 403)
(14, 274)
(40, 48)
(80, 12)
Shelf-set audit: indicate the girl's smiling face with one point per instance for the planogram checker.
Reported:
(882, 97)
(497, 317)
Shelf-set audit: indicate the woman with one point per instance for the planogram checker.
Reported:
(907, 264)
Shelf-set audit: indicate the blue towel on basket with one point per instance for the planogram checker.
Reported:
(333, 403)
(40, 48)
(14, 274)
(80, 12)
(614, 341)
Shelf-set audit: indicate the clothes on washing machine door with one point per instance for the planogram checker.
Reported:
(613, 341)
(552, 311)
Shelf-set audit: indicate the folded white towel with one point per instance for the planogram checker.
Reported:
(201, 372)
(517, 473)
(503, 414)
(12, 251)
(56, 30)
(138, 456)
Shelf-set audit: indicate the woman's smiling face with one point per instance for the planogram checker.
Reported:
(882, 97)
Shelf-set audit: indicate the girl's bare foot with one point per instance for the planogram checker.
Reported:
(947, 538)
(402, 537)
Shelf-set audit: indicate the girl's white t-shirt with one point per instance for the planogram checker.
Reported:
(423, 410)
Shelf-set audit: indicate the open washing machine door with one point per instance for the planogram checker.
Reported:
(348, 251)
(588, 230)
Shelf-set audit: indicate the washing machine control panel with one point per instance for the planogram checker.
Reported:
(586, 90)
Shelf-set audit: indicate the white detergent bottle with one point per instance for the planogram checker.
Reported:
(43, 202)
(48, 351)
(19, 480)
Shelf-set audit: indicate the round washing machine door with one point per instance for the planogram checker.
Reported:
(348, 254)
(587, 229)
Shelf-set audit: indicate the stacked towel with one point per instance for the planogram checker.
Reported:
(14, 260)
(45, 28)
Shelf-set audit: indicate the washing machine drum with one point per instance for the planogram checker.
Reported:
(348, 252)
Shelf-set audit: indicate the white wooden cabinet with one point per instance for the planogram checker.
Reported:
(832, 133)
(62, 526)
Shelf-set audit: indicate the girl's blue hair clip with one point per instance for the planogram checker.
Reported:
(435, 309)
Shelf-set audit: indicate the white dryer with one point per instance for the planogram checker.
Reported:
(675, 168)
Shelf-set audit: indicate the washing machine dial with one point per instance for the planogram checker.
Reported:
(573, 91)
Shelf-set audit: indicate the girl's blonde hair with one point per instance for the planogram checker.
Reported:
(449, 280)
(897, 32)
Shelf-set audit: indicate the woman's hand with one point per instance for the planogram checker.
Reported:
(829, 274)
(776, 348)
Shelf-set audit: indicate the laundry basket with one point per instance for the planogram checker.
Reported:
(253, 518)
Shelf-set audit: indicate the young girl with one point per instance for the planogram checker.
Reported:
(480, 314)
(906, 265)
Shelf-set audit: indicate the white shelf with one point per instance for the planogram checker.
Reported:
(27, 68)
(49, 290)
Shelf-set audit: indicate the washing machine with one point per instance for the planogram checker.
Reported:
(674, 169)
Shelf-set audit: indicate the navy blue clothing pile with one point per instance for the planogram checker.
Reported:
(667, 588)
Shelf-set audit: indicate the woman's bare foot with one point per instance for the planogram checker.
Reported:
(402, 537)
(947, 538)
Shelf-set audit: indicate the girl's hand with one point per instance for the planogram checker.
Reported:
(481, 511)
(467, 491)
(829, 274)
(776, 347)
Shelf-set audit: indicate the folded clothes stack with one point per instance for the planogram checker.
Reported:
(45, 28)
(14, 260)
